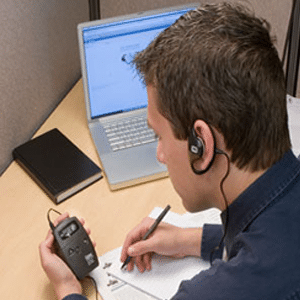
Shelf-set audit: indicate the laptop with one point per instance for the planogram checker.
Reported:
(115, 97)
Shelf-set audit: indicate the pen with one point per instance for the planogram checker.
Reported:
(151, 230)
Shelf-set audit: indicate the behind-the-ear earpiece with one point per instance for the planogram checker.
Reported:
(196, 145)
(197, 149)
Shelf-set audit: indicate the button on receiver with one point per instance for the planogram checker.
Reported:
(75, 247)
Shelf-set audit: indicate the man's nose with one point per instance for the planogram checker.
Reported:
(159, 153)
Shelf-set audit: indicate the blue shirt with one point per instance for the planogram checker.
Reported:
(75, 297)
(262, 243)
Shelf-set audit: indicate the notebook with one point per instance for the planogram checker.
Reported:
(57, 165)
(115, 97)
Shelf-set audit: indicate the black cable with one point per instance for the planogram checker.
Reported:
(48, 217)
(95, 285)
(226, 206)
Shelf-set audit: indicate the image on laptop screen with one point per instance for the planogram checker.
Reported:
(113, 83)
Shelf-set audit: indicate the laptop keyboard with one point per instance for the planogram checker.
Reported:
(129, 133)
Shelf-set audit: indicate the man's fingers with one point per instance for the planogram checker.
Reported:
(61, 218)
(141, 248)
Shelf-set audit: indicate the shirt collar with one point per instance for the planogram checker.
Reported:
(259, 195)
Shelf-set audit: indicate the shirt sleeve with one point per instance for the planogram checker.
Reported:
(211, 238)
(193, 289)
(249, 274)
(75, 297)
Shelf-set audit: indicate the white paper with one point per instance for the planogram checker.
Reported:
(165, 277)
(189, 220)
(293, 107)
(163, 280)
(111, 288)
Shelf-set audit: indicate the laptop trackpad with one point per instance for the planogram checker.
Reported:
(132, 164)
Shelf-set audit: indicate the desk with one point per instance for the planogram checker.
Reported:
(24, 206)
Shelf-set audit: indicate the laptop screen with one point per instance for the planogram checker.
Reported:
(113, 83)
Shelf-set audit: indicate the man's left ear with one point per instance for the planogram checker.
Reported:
(201, 145)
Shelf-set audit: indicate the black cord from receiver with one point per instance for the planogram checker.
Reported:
(48, 217)
(226, 207)
(95, 285)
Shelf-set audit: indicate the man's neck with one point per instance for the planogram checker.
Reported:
(237, 182)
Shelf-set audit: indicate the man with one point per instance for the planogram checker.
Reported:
(217, 101)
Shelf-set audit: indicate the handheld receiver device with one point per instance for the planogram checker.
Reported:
(74, 247)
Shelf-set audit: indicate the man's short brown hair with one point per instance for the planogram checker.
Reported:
(218, 63)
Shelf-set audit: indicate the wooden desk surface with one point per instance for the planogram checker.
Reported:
(24, 206)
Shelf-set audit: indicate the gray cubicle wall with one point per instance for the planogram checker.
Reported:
(39, 64)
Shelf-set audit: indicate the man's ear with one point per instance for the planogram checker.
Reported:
(204, 132)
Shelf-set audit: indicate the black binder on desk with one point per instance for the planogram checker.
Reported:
(59, 167)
